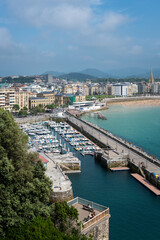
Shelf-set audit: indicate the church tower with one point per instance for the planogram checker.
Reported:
(151, 79)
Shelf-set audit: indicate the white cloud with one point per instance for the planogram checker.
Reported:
(112, 20)
(67, 14)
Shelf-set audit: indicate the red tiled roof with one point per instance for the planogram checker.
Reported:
(43, 159)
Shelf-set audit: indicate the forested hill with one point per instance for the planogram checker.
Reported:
(77, 76)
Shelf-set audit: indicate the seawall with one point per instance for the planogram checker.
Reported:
(138, 160)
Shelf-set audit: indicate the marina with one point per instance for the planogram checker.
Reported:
(76, 139)
(56, 143)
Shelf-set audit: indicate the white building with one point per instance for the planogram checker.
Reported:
(34, 88)
(120, 90)
(132, 89)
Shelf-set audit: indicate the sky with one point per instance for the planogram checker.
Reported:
(72, 35)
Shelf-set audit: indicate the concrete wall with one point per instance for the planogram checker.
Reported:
(100, 231)
(61, 196)
(148, 174)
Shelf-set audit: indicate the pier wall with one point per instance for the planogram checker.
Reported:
(148, 175)
(107, 163)
(105, 139)
(100, 231)
(60, 196)
(86, 133)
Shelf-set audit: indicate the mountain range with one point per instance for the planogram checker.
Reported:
(92, 73)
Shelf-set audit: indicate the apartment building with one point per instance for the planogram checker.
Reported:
(132, 89)
(7, 98)
(120, 90)
(22, 98)
(93, 90)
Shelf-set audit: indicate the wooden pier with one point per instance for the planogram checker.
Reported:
(147, 184)
(115, 169)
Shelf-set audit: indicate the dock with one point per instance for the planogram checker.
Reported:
(146, 183)
(115, 169)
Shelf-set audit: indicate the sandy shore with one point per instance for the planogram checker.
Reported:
(147, 102)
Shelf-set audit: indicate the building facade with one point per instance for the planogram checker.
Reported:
(35, 102)
(7, 98)
(22, 98)
(49, 95)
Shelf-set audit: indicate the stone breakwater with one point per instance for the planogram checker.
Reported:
(138, 159)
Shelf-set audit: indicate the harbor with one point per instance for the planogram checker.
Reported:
(57, 144)
(84, 183)
(119, 152)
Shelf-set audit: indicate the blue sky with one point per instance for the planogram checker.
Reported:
(71, 35)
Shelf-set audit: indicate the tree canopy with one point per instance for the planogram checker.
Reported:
(24, 187)
(25, 210)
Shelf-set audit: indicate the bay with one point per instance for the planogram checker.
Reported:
(135, 211)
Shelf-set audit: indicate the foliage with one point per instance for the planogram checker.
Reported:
(24, 187)
(117, 80)
(100, 97)
(52, 106)
(23, 112)
(16, 107)
(25, 213)
(25, 108)
(63, 216)
(40, 229)
(74, 76)
(38, 109)
(20, 79)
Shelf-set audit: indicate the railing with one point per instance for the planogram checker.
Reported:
(104, 211)
(95, 220)
(72, 202)
(82, 201)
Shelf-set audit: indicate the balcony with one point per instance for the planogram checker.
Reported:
(86, 209)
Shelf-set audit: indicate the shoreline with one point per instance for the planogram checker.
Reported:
(140, 103)
(135, 102)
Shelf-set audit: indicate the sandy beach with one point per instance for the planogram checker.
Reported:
(147, 102)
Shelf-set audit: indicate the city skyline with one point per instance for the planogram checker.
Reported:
(38, 36)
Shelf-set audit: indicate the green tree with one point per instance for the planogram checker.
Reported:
(24, 187)
(64, 217)
(25, 108)
(40, 229)
(38, 109)
(16, 107)
(23, 113)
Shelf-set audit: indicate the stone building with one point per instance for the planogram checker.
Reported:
(35, 102)
(49, 95)
(59, 99)
(80, 98)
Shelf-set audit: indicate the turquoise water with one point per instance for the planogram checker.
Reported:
(140, 125)
(135, 211)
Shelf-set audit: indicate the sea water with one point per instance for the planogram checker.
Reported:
(135, 211)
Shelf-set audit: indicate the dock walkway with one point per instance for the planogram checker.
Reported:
(146, 183)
